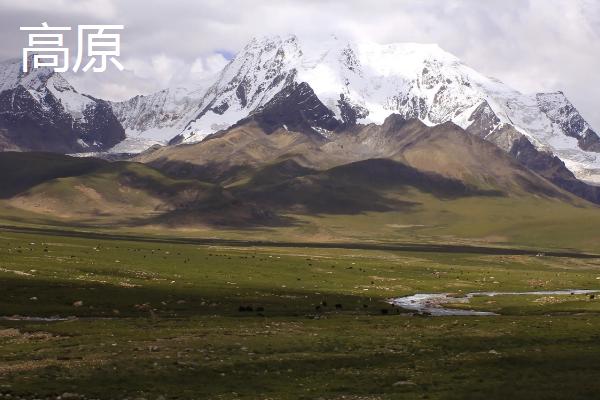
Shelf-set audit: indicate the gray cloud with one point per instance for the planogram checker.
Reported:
(533, 45)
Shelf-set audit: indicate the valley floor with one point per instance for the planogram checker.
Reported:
(103, 317)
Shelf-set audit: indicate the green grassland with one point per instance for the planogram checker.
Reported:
(503, 221)
(172, 320)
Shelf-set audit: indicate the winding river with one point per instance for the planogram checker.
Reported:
(433, 303)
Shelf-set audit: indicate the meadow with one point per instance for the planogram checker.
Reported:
(116, 317)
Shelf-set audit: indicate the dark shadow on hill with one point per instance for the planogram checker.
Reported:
(553, 169)
(224, 173)
(363, 186)
(385, 173)
(216, 173)
(22, 171)
(235, 214)
(276, 191)
(278, 172)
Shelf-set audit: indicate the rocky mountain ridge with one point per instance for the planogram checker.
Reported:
(41, 111)
(363, 82)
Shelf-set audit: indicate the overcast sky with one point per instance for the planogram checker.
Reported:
(533, 45)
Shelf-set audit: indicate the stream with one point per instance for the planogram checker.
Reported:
(433, 303)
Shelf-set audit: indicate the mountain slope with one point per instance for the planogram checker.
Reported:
(281, 169)
(40, 110)
(445, 149)
(381, 185)
(105, 192)
(22, 171)
(366, 82)
(234, 156)
(373, 199)
(156, 118)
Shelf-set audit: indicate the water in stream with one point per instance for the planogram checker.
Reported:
(433, 303)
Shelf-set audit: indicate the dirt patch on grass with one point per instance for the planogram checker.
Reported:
(89, 192)
(32, 365)
(551, 300)
(9, 333)
(15, 336)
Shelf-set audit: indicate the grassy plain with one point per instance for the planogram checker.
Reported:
(172, 320)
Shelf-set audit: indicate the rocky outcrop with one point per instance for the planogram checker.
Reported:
(41, 111)
(553, 169)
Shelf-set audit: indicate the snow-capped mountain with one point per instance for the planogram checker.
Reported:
(156, 118)
(365, 82)
(323, 86)
(40, 110)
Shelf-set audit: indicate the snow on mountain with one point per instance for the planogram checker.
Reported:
(374, 80)
(156, 118)
(365, 82)
(40, 110)
(42, 81)
(10, 74)
(560, 111)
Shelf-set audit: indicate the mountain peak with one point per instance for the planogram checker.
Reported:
(265, 40)
(12, 75)
(358, 81)
(40, 110)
